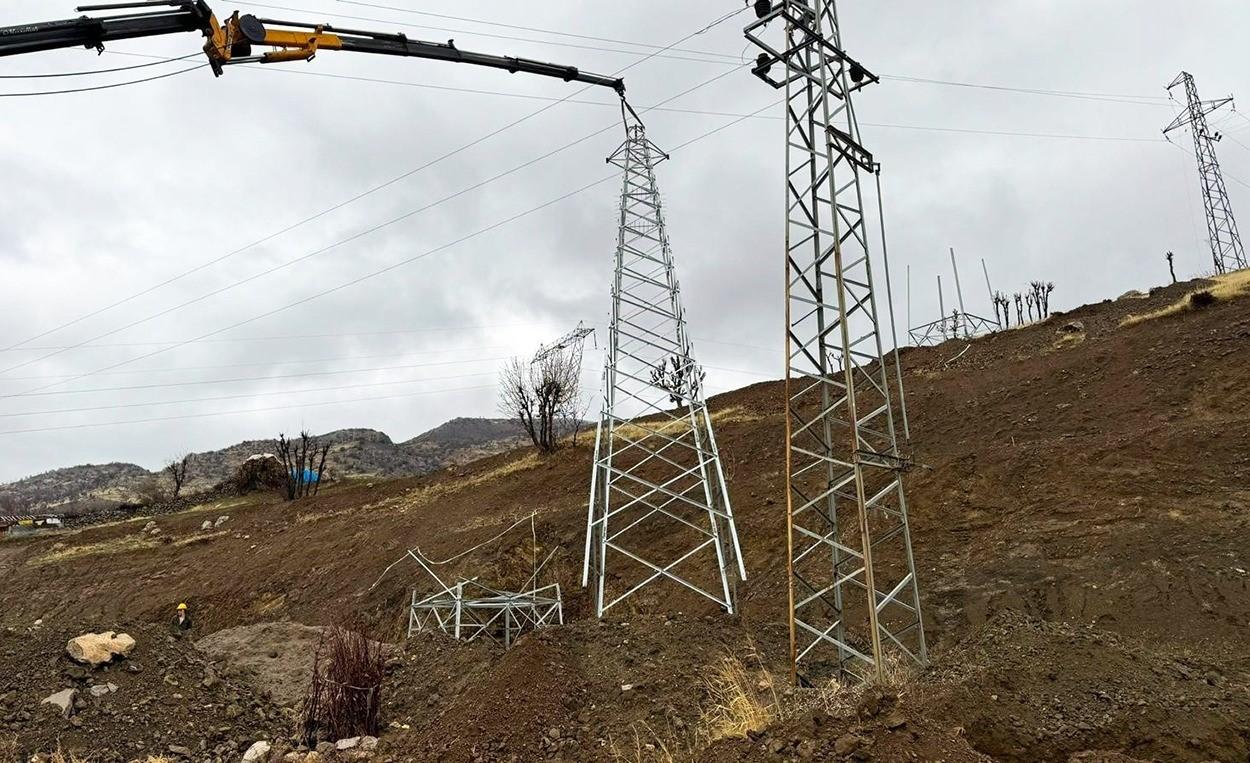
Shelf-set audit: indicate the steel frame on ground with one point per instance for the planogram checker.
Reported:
(500, 616)
(848, 534)
(659, 507)
(936, 332)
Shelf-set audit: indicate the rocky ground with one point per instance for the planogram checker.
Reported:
(1079, 510)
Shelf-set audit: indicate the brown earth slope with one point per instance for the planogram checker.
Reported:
(1080, 517)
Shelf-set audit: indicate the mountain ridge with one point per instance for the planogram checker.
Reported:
(354, 452)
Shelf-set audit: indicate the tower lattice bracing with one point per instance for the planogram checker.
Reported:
(1226, 250)
(854, 597)
(659, 507)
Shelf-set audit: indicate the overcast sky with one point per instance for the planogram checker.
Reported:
(110, 193)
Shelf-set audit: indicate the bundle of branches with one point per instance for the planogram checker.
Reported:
(298, 458)
(680, 377)
(345, 693)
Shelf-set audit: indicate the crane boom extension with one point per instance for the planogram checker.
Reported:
(232, 41)
(93, 32)
(295, 44)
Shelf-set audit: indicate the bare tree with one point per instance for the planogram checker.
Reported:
(177, 469)
(680, 377)
(1030, 299)
(1050, 286)
(544, 395)
(1019, 308)
(1003, 305)
(298, 457)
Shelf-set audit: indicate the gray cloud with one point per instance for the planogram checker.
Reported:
(111, 192)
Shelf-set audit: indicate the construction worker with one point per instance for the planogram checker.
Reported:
(182, 621)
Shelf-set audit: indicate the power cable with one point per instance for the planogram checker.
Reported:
(88, 72)
(391, 267)
(513, 38)
(280, 337)
(1140, 100)
(240, 396)
(339, 205)
(266, 363)
(212, 414)
(558, 33)
(199, 382)
(359, 234)
(104, 87)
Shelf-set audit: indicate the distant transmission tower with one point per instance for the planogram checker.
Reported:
(659, 507)
(1226, 248)
(853, 589)
(574, 339)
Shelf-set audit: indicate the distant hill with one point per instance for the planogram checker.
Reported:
(353, 453)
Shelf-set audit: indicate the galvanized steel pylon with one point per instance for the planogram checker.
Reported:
(854, 597)
(659, 508)
(1227, 253)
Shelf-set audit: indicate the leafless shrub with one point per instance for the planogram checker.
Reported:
(544, 395)
(300, 477)
(176, 468)
(345, 693)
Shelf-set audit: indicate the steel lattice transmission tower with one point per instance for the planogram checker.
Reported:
(1226, 249)
(659, 507)
(854, 597)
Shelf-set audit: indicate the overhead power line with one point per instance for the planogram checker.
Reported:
(708, 56)
(345, 202)
(1140, 100)
(238, 396)
(237, 380)
(353, 237)
(388, 268)
(287, 392)
(89, 72)
(555, 32)
(266, 363)
(213, 414)
(110, 86)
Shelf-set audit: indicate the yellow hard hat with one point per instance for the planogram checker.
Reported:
(182, 606)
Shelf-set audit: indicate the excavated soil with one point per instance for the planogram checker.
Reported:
(167, 693)
(1079, 512)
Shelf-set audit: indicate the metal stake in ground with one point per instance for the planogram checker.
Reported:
(659, 508)
(853, 590)
(1226, 250)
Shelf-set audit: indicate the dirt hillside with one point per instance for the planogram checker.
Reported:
(1080, 513)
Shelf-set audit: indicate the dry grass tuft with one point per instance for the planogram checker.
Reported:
(1224, 288)
(60, 755)
(119, 545)
(427, 494)
(8, 748)
(737, 704)
(649, 747)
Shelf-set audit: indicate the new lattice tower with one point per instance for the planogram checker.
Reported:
(659, 508)
(854, 598)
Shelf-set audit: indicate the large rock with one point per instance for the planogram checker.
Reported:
(98, 648)
(62, 700)
(256, 752)
(262, 471)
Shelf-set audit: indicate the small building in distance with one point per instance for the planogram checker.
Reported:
(13, 525)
